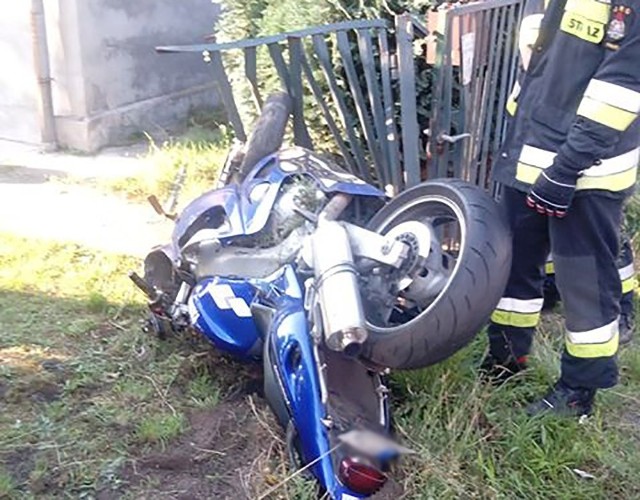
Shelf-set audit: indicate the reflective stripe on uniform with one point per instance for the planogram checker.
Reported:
(612, 105)
(613, 174)
(605, 114)
(549, 268)
(520, 313)
(596, 343)
(627, 278)
(586, 19)
(512, 101)
(629, 285)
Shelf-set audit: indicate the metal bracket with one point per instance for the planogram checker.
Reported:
(371, 245)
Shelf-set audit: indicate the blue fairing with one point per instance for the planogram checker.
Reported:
(292, 350)
(244, 215)
(217, 312)
(220, 309)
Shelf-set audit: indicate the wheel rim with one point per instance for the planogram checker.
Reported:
(448, 228)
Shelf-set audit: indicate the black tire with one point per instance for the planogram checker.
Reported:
(472, 291)
(268, 132)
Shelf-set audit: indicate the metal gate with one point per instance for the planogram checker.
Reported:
(475, 70)
(369, 104)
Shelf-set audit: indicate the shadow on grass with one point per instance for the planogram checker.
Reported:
(91, 405)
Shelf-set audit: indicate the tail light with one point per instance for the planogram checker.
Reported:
(360, 477)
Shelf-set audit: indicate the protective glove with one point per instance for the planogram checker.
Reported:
(553, 191)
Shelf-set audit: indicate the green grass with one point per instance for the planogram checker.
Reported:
(198, 162)
(203, 391)
(193, 161)
(82, 388)
(474, 441)
(7, 488)
(160, 428)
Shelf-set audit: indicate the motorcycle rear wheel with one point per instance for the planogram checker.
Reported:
(268, 132)
(470, 237)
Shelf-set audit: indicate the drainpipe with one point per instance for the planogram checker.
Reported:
(43, 74)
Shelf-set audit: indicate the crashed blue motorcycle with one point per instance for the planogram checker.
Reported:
(300, 264)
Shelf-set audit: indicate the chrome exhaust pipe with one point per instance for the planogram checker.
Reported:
(336, 283)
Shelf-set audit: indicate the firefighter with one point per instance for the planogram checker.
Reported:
(568, 162)
(529, 30)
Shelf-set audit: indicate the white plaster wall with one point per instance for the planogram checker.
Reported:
(18, 103)
(108, 81)
(120, 65)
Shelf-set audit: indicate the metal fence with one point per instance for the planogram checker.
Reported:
(360, 76)
(362, 107)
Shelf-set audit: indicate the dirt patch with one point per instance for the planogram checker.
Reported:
(19, 464)
(36, 389)
(40, 382)
(222, 456)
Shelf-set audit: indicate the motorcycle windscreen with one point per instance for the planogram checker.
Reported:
(217, 211)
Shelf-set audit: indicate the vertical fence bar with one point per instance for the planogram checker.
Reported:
(300, 132)
(480, 20)
(326, 112)
(251, 74)
(495, 54)
(437, 101)
(409, 117)
(361, 107)
(226, 94)
(447, 98)
(516, 18)
(322, 53)
(365, 47)
(275, 51)
(393, 149)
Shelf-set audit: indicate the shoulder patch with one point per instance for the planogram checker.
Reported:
(617, 28)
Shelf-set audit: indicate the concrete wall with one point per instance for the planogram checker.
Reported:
(108, 82)
(18, 92)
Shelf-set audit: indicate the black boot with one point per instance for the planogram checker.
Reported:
(550, 294)
(497, 372)
(564, 401)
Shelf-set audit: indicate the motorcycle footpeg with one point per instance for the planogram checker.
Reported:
(148, 289)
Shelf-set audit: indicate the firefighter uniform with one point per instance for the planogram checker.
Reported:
(577, 109)
(626, 272)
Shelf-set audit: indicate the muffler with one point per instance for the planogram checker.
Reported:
(337, 291)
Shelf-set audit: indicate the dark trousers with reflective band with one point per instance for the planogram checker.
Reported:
(585, 247)
(627, 275)
(626, 272)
